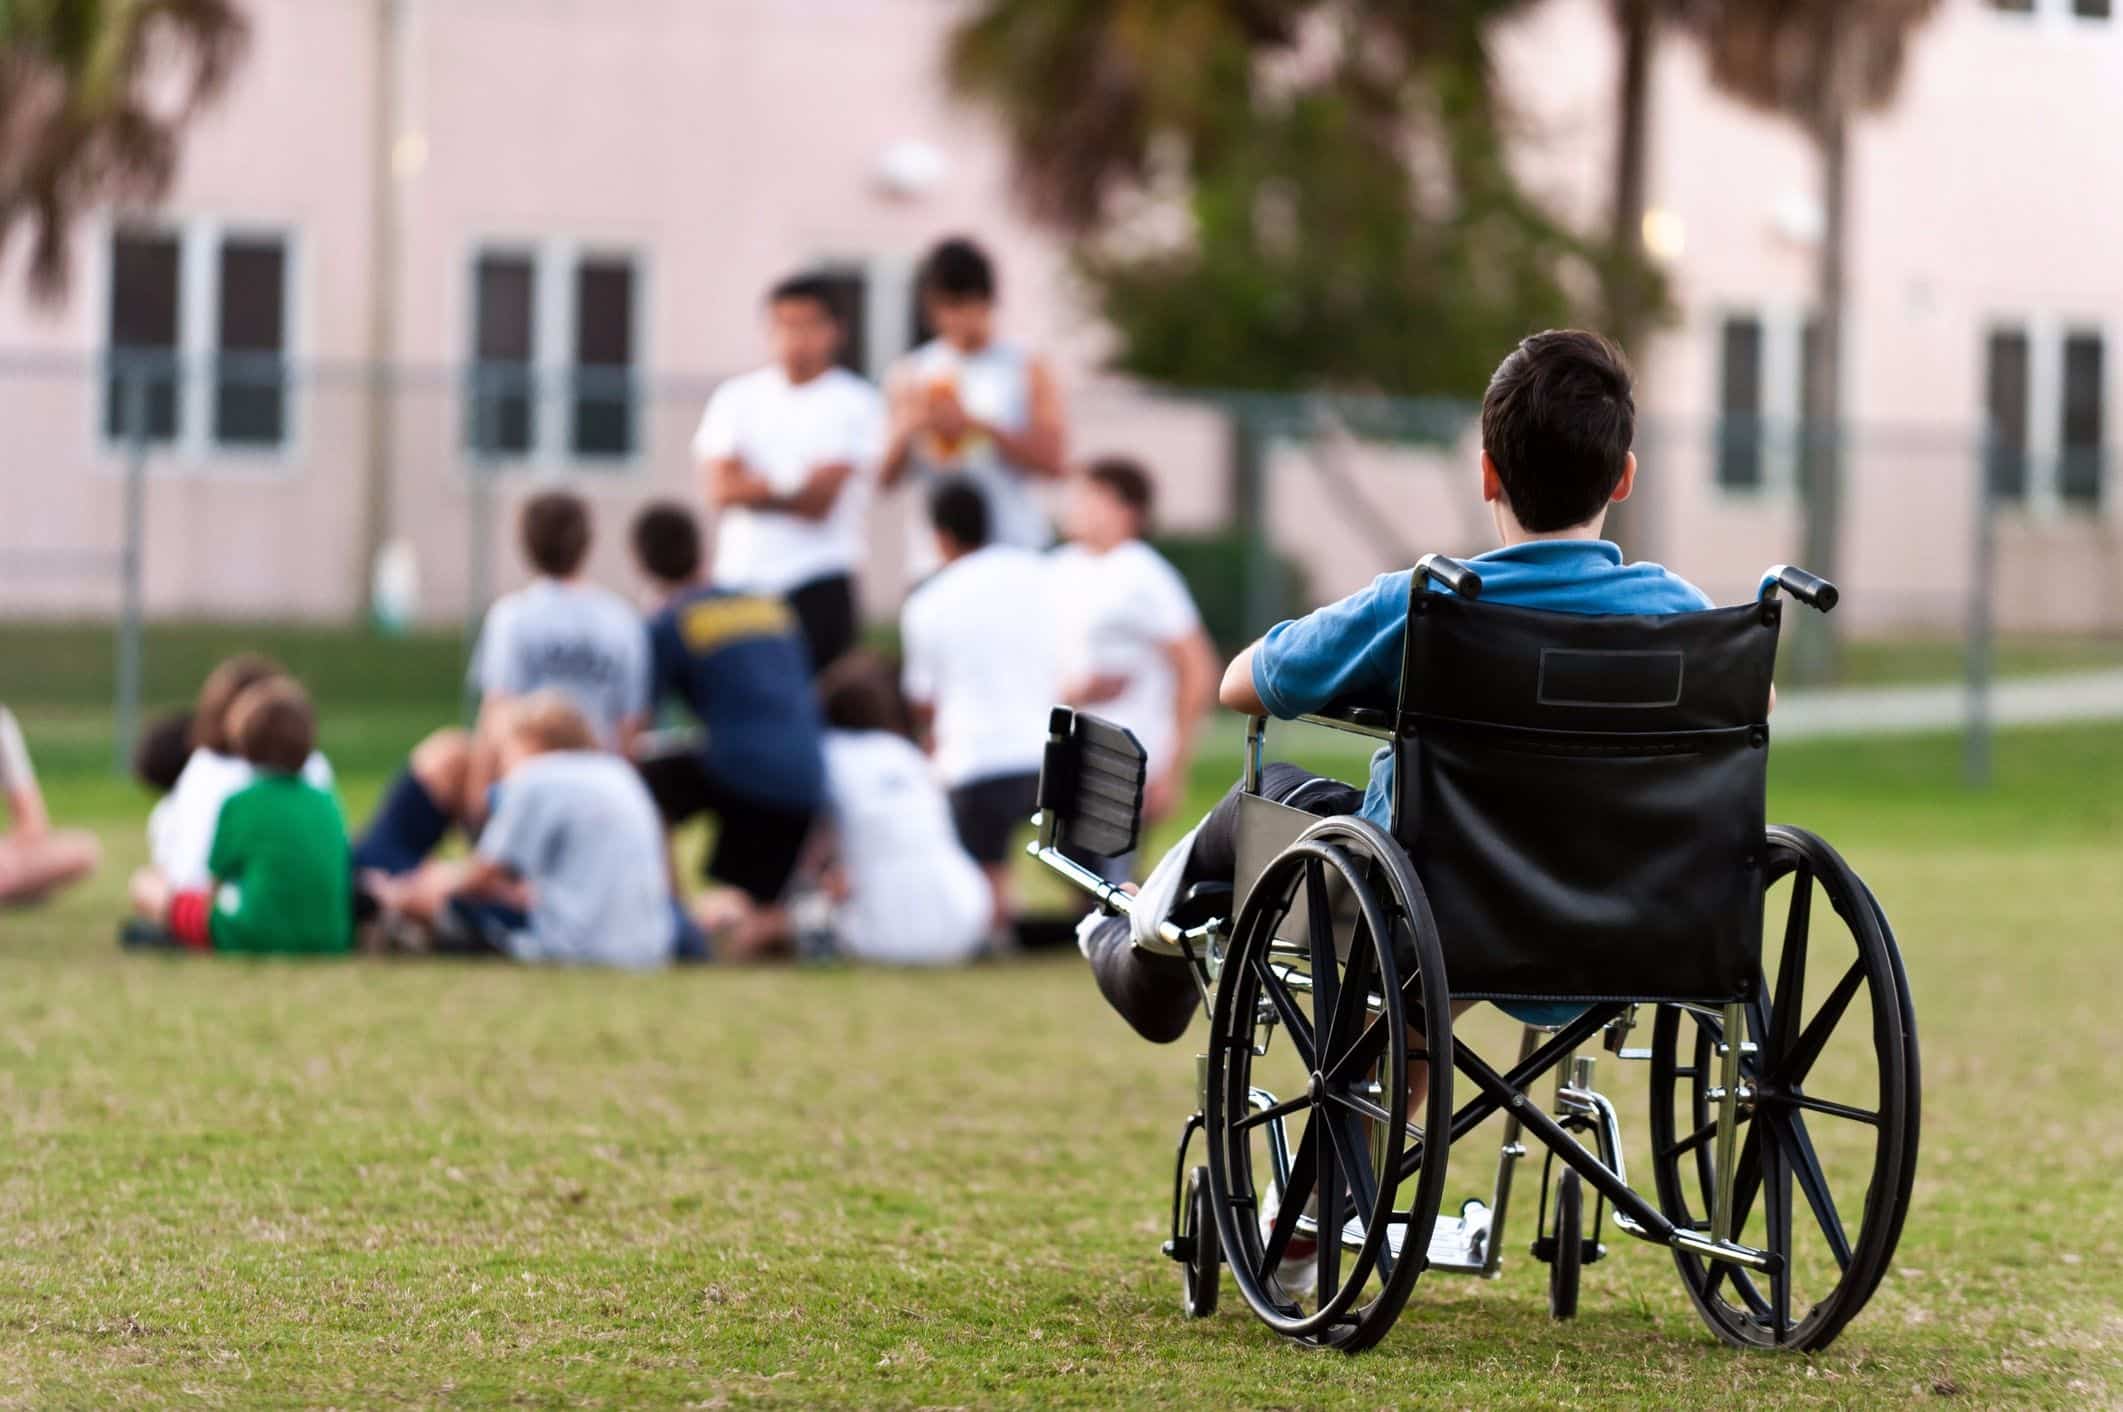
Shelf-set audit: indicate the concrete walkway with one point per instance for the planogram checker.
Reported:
(1902, 710)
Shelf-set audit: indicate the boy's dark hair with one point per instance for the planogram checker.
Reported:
(957, 269)
(1125, 480)
(159, 754)
(273, 725)
(958, 508)
(556, 533)
(860, 692)
(231, 677)
(1558, 421)
(814, 287)
(666, 541)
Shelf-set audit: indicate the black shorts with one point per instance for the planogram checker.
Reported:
(825, 612)
(757, 845)
(990, 811)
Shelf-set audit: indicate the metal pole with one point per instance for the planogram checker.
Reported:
(486, 414)
(1982, 618)
(126, 708)
(1249, 494)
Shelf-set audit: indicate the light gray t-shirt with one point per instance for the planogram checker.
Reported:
(575, 638)
(581, 829)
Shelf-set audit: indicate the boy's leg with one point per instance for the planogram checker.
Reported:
(988, 814)
(430, 794)
(1156, 994)
(31, 869)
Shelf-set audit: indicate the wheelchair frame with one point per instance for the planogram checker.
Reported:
(1472, 1242)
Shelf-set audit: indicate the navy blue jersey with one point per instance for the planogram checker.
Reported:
(738, 662)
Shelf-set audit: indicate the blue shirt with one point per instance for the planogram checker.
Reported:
(1349, 653)
(738, 661)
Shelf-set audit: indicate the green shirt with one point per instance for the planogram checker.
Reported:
(283, 878)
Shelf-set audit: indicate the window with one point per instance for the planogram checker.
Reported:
(2018, 7)
(849, 287)
(2093, 9)
(143, 333)
(250, 344)
(2080, 463)
(2005, 379)
(603, 411)
(1740, 404)
(504, 321)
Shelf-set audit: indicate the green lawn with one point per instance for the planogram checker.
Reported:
(361, 1183)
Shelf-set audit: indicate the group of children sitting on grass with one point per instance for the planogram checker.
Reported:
(832, 835)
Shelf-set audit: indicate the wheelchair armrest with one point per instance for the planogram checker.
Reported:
(1364, 720)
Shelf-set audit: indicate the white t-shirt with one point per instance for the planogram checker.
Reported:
(980, 651)
(180, 829)
(1116, 614)
(994, 385)
(915, 896)
(783, 431)
(579, 639)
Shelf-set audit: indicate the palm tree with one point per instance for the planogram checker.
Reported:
(1820, 63)
(93, 97)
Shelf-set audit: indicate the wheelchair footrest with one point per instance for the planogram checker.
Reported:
(1461, 1242)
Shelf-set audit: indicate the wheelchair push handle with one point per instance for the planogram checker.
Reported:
(1451, 573)
(1810, 589)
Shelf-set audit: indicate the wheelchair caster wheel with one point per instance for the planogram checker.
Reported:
(1569, 1257)
(1201, 1259)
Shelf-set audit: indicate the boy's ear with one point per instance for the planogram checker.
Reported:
(1493, 484)
(1627, 483)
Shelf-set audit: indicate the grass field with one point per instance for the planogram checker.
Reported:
(371, 1183)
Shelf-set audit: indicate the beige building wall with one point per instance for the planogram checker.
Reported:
(721, 143)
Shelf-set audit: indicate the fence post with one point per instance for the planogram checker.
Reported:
(1249, 500)
(1982, 618)
(479, 552)
(126, 708)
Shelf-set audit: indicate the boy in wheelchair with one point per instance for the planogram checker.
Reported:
(1558, 421)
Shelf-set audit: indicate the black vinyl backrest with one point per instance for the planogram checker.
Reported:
(1583, 796)
(1091, 779)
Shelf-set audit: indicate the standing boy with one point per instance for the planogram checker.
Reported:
(787, 454)
(1133, 649)
(969, 403)
(981, 675)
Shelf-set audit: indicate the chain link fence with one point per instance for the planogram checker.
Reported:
(143, 486)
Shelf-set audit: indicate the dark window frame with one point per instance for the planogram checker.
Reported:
(604, 363)
(250, 407)
(501, 394)
(2008, 407)
(2082, 417)
(130, 345)
(1740, 462)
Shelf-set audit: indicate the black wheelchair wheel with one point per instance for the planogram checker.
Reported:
(1333, 965)
(1202, 1268)
(1569, 1259)
(1830, 1117)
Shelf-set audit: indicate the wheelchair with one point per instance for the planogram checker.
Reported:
(1577, 823)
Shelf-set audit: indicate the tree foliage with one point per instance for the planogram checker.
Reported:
(93, 97)
(1280, 193)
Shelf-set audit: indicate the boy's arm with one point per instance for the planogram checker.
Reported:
(1348, 650)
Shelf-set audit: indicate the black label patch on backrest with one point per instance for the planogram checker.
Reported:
(1615, 680)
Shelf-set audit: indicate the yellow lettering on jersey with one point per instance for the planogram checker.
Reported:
(714, 622)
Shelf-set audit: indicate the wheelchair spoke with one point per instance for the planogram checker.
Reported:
(1350, 1149)
(1329, 1194)
(1363, 1106)
(1281, 1110)
(1776, 1213)
(1286, 1008)
(1304, 1168)
(1791, 1067)
(1319, 935)
(1833, 1110)
(1790, 1134)
(1790, 995)
(1696, 1139)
